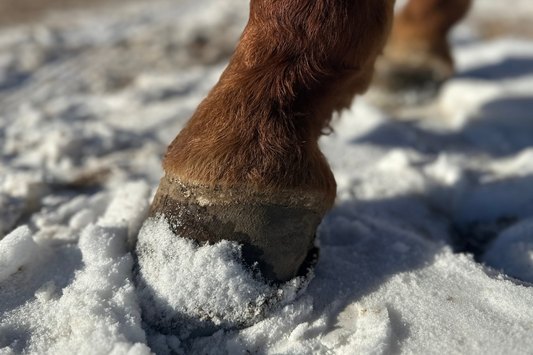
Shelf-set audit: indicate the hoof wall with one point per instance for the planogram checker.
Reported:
(276, 231)
(218, 257)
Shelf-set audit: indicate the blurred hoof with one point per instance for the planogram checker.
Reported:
(408, 78)
(276, 229)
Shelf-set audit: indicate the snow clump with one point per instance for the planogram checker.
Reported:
(200, 289)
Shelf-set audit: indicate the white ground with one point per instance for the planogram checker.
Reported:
(90, 100)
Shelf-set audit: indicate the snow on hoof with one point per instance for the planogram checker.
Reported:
(199, 289)
(212, 257)
(276, 230)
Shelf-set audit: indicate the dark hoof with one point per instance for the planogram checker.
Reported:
(276, 230)
(195, 286)
(192, 276)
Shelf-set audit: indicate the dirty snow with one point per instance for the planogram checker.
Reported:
(429, 249)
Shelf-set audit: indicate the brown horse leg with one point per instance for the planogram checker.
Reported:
(417, 57)
(247, 166)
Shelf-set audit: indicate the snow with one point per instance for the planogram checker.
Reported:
(512, 251)
(76, 305)
(215, 289)
(429, 249)
(15, 251)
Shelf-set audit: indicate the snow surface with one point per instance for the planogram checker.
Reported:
(429, 249)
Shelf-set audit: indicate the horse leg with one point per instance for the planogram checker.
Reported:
(247, 166)
(417, 57)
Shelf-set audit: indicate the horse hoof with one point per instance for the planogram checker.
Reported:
(192, 276)
(408, 78)
(276, 229)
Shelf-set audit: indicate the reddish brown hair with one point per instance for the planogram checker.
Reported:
(297, 62)
(426, 23)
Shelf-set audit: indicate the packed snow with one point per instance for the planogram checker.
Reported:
(429, 249)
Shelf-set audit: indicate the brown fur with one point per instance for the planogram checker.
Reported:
(424, 25)
(298, 61)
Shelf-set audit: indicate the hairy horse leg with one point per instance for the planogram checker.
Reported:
(247, 166)
(417, 57)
